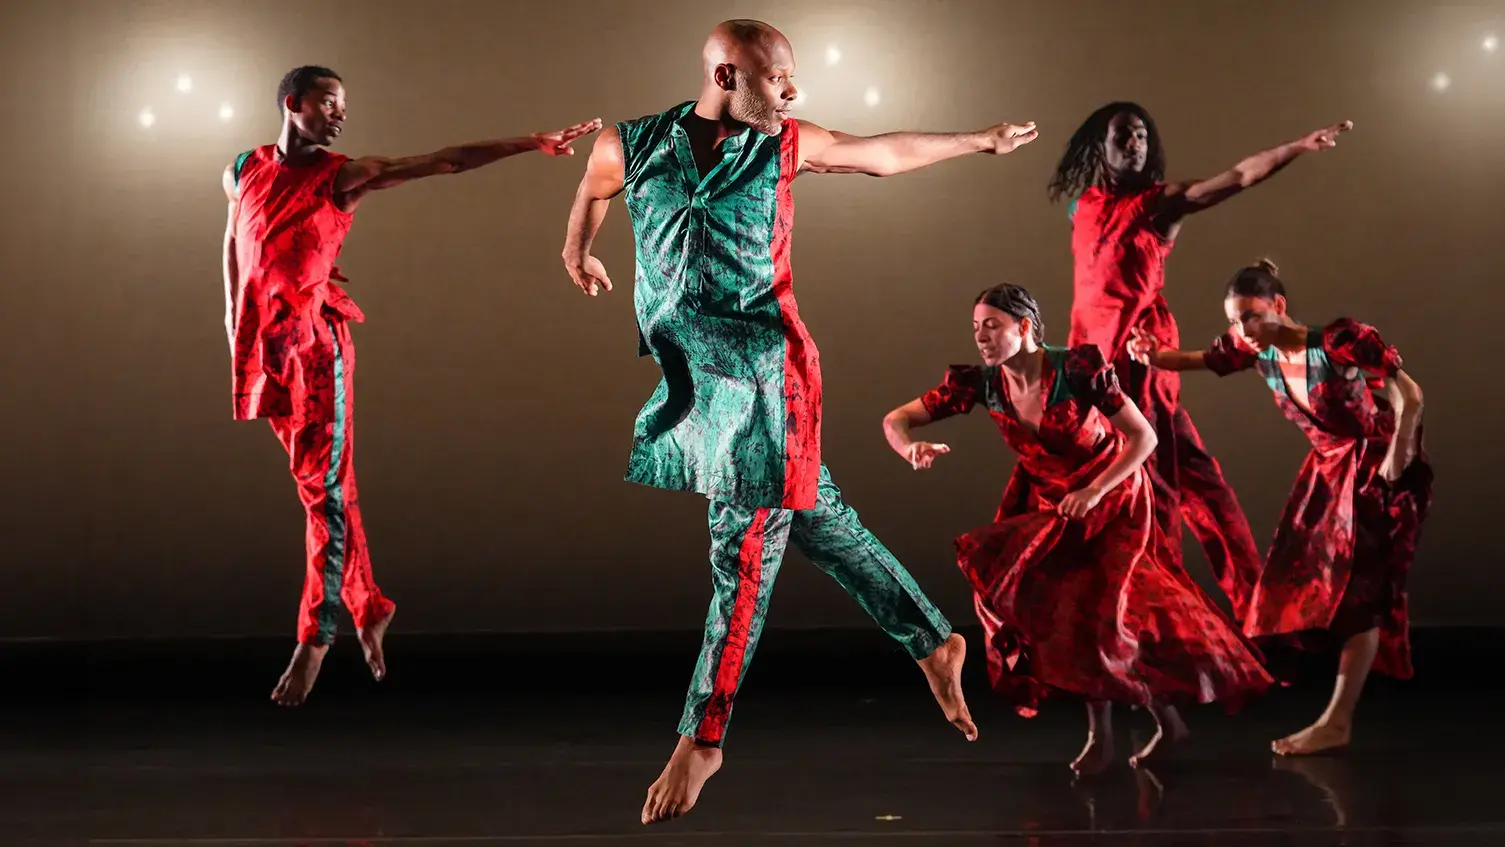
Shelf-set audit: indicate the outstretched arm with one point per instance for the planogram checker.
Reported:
(1186, 198)
(1406, 398)
(825, 152)
(605, 174)
(227, 262)
(373, 173)
(896, 427)
(1146, 350)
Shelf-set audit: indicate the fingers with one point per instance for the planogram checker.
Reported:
(574, 132)
(1026, 128)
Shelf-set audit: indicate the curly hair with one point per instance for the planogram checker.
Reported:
(1081, 166)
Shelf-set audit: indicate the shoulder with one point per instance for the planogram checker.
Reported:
(965, 374)
(237, 168)
(651, 124)
(1347, 333)
(1084, 359)
(1348, 326)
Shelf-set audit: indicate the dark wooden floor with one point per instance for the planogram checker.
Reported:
(477, 741)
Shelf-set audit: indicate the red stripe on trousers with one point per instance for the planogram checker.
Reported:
(738, 632)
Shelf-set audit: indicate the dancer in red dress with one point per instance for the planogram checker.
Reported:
(1067, 581)
(1337, 569)
(1125, 219)
(292, 358)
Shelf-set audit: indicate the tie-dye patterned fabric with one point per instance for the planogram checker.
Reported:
(1342, 553)
(1085, 607)
(294, 365)
(288, 234)
(736, 416)
(1118, 284)
(747, 547)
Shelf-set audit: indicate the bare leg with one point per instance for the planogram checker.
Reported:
(1170, 730)
(678, 787)
(292, 689)
(1098, 754)
(1334, 728)
(943, 670)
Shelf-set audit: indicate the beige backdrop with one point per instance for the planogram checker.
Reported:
(496, 403)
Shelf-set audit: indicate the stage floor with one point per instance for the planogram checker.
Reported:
(463, 745)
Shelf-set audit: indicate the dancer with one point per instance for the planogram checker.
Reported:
(1125, 219)
(736, 416)
(292, 357)
(1067, 581)
(1337, 569)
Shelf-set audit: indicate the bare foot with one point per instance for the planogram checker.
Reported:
(1095, 757)
(292, 689)
(371, 638)
(943, 670)
(678, 787)
(1314, 739)
(1170, 731)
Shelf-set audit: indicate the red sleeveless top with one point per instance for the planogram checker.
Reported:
(1119, 279)
(288, 233)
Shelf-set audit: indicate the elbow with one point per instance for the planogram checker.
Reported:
(1412, 397)
(886, 167)
(1148, 440)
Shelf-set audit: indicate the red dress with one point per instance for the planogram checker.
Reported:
(1118, 284)
(1085, 607)
(294, 365)
(1342, 553)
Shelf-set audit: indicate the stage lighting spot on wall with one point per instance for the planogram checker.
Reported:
(833, 55)
(871, 96)
(146, 118)
(1491, 43)
(1441, 82)
(226, 112)
(185, 83)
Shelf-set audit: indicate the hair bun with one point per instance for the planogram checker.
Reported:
(1268, 266)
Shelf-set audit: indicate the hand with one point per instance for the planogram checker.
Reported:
(1395, 464)
(921, 454)
(1078, 503)
(1004, 138)
(1390, 469)
(1322, 139)
(589, 276)
(1143, 346)
(557, 143)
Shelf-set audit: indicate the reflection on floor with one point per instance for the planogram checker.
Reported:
(176, 745)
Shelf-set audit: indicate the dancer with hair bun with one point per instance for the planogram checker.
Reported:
(1337, 569)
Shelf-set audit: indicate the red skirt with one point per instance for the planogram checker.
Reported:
(1085, 608)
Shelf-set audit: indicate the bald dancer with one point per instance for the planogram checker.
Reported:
(736, 416)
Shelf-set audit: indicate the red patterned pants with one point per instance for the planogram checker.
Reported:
(320, 438)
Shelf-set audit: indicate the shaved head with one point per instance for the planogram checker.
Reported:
(744, 43)
(749, 70)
